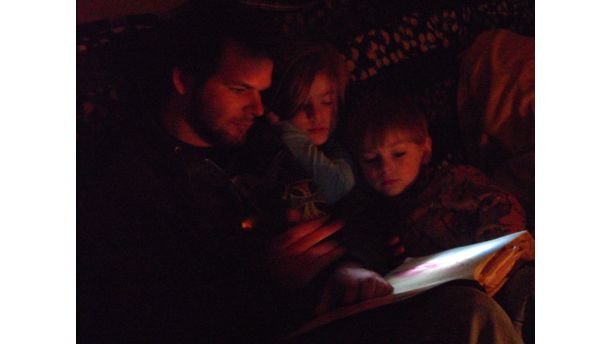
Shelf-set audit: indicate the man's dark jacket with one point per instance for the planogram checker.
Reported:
(163, 252)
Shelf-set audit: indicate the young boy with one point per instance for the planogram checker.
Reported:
(405, 206)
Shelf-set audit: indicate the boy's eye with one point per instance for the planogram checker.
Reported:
(398, 154)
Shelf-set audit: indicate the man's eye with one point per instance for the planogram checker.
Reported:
(399, 154)
(238, 90)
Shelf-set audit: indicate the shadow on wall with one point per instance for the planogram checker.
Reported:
(92, 10)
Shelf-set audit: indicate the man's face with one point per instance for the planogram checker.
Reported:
(228, 102)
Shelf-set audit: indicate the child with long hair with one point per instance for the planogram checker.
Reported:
(308, 88)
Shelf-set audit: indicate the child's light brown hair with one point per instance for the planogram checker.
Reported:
(294, 72)
(381, 111)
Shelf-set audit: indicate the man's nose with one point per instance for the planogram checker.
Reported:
(256, 106)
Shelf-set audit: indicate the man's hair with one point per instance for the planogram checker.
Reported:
(193, 38)
(199, 33)
(295, 70)
(382, 111)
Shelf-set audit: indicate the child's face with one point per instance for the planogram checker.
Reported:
(392, 166)
(316, 117)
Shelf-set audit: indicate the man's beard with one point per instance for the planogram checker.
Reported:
(206, 127)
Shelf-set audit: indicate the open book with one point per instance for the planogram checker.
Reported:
(489, 263)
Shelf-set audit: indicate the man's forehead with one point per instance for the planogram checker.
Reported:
(239, 66)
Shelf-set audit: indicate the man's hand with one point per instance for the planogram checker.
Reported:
(350, 283)
(299, 254)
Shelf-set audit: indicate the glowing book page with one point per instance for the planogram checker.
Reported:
(488, 263)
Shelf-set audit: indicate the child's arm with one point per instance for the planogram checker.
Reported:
(330, 170)
(497, 212)
(459, 206)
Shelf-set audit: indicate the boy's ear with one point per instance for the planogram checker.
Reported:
(427, 151)
(180, 81)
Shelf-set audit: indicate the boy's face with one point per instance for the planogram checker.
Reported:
(393, 165)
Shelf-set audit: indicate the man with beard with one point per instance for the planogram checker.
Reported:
(169, 249)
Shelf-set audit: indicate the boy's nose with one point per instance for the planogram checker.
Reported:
(386, 167)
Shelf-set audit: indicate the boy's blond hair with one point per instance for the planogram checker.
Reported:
(381, 112)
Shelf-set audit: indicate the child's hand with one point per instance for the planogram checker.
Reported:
(350, 283)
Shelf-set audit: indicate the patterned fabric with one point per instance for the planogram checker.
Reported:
(457, 206)
(284, 184)
(422, 31)
(99, 87)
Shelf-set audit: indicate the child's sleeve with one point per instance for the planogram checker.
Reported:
(331, 170)
(498, 212)
(458, 206)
